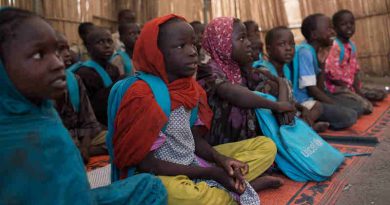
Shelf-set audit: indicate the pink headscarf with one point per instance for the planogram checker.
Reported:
(217, 41)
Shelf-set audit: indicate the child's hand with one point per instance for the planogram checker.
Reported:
(232, 183)
(285, 107)
(230, 165)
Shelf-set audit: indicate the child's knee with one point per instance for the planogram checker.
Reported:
(269, 145)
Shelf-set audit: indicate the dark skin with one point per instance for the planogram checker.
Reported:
(242, 54)
(127, 16)
(253, 30)
(85, 148)
(176, 42)
(64, 50)
(345, 29)
(32, 62)
(281, 51)
(199, 30)
(129, 36)
(321, 40)
(100, 45)
(256, 46)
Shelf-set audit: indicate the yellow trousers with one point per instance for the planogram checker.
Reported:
(259, 153)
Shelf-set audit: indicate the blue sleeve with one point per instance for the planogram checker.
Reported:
(307, 74)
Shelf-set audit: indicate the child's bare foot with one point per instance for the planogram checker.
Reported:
(321, 126)
(266, 182)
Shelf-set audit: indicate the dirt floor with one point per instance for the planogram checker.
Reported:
(371, 185)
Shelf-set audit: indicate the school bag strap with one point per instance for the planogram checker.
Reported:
(271, 68)
(96, 67)
(73, 90)
(161, 94)
(128, 65)
(342, 50)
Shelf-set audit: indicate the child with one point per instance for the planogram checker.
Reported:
(79, 118)
(308, 67)
(40, 163)
(280, 46)
(128, 34)
(253, 32)
(100, 47)
(252, 28)
(80, 50)
(228, 84)
(342, 72)
(199, 30)
(125, 16)
(166, 49)
(64, 50)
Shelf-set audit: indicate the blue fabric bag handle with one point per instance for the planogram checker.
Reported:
(161, 94)
(73, 90)
(342, 50)
(128, 65)
(96, 67)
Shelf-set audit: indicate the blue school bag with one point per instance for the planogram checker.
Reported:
(302, 154)
(128, 65)
(342, 50)
(161, 94)
(96, 67)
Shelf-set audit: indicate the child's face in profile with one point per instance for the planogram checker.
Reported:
(64, 50)
(199, 30)
(282, 47)
(32, 62)
(177, 44)
(130, 36)
(100, 44)
(256, 46)
(345, 27)
(324, 33)
(241, 51)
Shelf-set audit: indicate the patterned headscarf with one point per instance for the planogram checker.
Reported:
(217, 41)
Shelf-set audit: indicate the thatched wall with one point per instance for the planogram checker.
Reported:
(372, 25)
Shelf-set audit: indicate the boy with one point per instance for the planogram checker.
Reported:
(128, 34)
(309, 64)
(124, 16)
(342, 68)
(80, 50)
(100, 47)
(79, 119)
(280, 46)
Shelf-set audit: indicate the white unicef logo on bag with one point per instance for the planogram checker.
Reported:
(313, 147)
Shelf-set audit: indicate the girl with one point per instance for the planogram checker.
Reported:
(192, 171)
(227, 86)
(40, 163)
